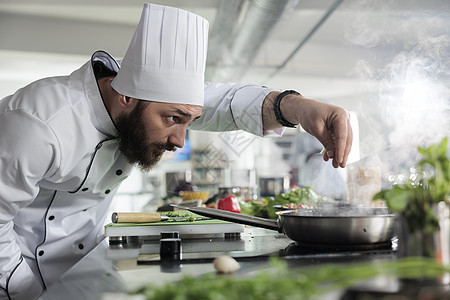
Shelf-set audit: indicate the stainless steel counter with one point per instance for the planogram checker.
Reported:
(113, 270)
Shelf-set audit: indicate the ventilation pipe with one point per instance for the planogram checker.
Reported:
(225, 22)
(257, 24)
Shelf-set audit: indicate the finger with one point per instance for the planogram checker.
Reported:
(348, 145)
(341, 132)
(326, 138)
(325, 156)
(330, 151)
(329, 154)
(335, 163)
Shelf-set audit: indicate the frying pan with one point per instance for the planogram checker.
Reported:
(318, 226)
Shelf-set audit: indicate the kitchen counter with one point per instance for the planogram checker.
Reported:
(110, 271)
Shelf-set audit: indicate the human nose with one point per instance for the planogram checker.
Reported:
(177, 137)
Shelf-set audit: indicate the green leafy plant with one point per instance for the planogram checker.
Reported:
(415, 198)
(283, 283)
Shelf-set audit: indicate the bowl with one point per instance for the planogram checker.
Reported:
(188, 195)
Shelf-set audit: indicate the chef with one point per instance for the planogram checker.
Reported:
(68, 142)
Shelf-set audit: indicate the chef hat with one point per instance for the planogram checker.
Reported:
(166, 58)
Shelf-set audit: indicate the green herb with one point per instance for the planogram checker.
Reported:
(298, 196)
(280, 282)
(176, 214)
(189, 216)
(414, 199)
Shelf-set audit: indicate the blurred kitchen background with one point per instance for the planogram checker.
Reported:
(386, 62)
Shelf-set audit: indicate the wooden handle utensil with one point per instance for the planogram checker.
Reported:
(132, 217)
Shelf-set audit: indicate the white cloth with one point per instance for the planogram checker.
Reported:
(60, 167)
(165, 61)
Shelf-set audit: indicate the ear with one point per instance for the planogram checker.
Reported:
(127, 102)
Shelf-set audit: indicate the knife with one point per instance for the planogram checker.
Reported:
(146, 217)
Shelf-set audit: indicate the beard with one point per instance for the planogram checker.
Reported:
(133, 139)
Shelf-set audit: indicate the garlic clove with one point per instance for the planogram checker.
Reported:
(226, 264)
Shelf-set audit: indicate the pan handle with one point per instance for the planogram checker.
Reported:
(232, 217)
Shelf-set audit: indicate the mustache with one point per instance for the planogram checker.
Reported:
(165, 146)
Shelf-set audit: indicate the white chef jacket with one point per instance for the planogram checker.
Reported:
(60, 167)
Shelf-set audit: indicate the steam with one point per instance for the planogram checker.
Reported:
(340, 210)
(407, 75)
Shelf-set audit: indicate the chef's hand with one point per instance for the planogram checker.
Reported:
(330, 124)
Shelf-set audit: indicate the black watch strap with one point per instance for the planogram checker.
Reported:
(277, 110)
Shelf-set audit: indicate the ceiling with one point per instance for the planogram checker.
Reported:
(348, 52)
(53, 36)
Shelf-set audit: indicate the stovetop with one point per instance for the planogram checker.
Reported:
(249, 249)
(297, 250)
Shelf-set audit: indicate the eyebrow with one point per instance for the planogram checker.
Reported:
(184, 114)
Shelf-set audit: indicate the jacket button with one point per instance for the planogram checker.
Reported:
(107, 191)
(41, 253)
(85, 189)
(51, 218)
(119, 172)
